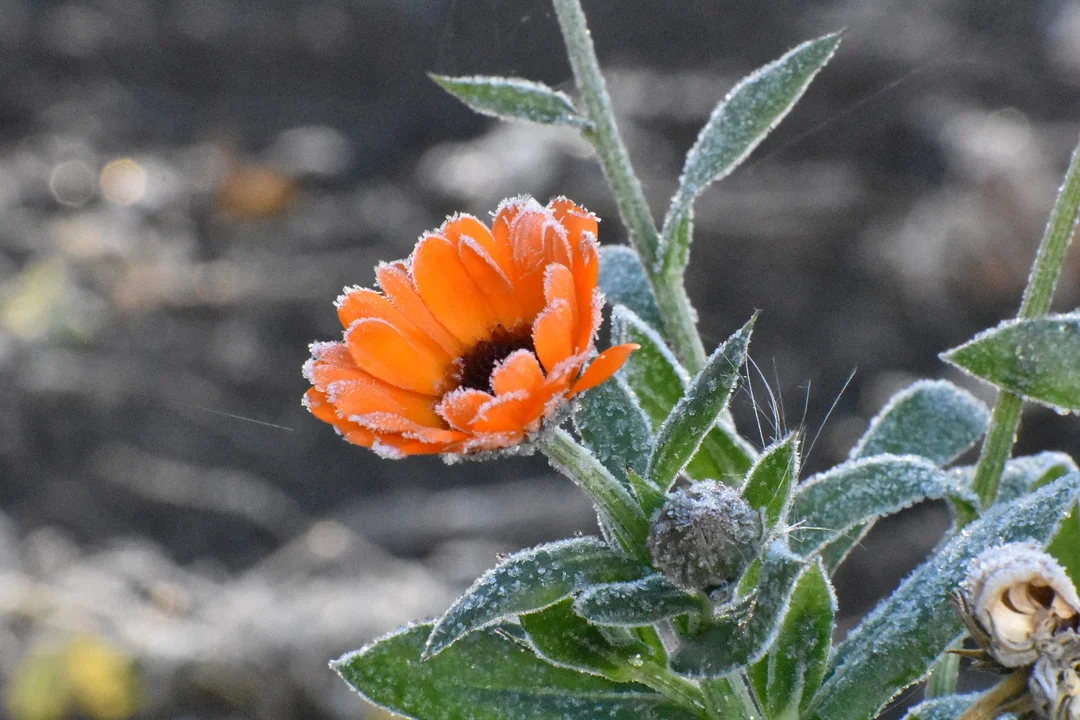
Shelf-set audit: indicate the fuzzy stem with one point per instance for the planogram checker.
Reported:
(675, 310)
(1045, 271)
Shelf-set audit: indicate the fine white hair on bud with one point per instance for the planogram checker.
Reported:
(704, 536)
(1018, 597)
(1055, 680)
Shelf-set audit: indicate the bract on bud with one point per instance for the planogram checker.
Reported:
(1018, 597)
(704, 536)
(1055, 680)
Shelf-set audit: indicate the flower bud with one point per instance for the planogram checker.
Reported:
(1055, 680)
(704, 536)
(1018, 597)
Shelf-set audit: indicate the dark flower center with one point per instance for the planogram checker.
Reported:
(473, 369)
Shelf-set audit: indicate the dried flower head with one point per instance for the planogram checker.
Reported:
(1016, 597)
(704, 536)
(474, 341)
(1055, 680)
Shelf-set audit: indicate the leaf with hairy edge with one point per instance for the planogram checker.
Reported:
(738, 125)
(613, 426)
(1065, 545)
(623, 282)
(897, 643)
(834, 553)
(1038, 358)
(850, 494)
(681, 433)
(795, 666)
(531, 580)
(772, 478)
(489, 676)
(659, 381)
(1029, 472)
(949, 707)
(650, 497)
(742, 637)
(639, 602)
(513, 99)
(930, 418)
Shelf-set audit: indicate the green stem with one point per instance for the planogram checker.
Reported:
(943, 677)
(724, 702)
(1005, 420)
(671, 685)
(675, 311)
(615, 505)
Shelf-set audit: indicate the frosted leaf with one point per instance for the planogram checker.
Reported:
(743, 636)
(513, 99)
(641, 602)
(489, 675)
(623, 282)
(772, 478)
(738, 125)
(931, 418)
(613, 426)
(896, 643)
(850, 494)
(1024, 474)
(531, 580)
(681, 434)
(1038, 359)
(949, 707)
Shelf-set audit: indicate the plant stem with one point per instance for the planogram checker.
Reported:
(675, 310)
(1005, 420)
(943, 677)
(612, 500)
(723, 701)
(680, 690)
(986, 707)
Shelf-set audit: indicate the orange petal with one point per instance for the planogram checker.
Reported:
(329, 363)
(505, 216)
(357, 303)
(508, 413)
(552, 336)
(460, 227)
(556, 245)
(492, 281)
(559, 285)
(398, 286)
(518, 372)
(586, 274)
(319, 406)
(382, 350)
(459, 407)
(368, 394)
(589, 321)
(384, 423)
(576, 219)
(448, 291)
(604, 366)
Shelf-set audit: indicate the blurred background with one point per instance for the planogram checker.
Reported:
(186, 185)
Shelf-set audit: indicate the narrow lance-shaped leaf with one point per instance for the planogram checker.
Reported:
(489, 676)
(830, 503)
(738, 125)
(772, 478)
(613, 426)
(623, 282)
(640, 602)
(531, 580)
(1065, 545)
(513, 99)
(650, 497)
(1029, 472)
(682, 432)
(742, 637)
(1038, 359)
(896, 644)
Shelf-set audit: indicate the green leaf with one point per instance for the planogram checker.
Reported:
(743, 636)
(847, 496)
(681, 433)
(949, 707)
(613, 426)
(531, 580)
(489, 676)
(772, 478)
(896, 644)
(513, 99)
(623, 282)
(1029, 472)
(749, 112)
(650, 497)
(724, 454)
(834, 553)
(640, 602)
(1065, 545)
(931, 418)
(795, 665)
(1038, 359)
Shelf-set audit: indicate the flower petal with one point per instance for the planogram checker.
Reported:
(492, 281)
(329, 363)
(448, 291)
(552, 336)
(384, 423)
(460, 227)
(604, 366)
(383, 351)
(559, 285)
(398, 285)
(508, 413)
(460, 407)
(518, 372)
(368, 394)
(357, 303)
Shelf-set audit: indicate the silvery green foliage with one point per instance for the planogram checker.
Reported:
(745, 633)
(639, 602)
(931, 418)
(623, 282)
(489, 676)
(681, 434)
(613, 426)
(1038, 359)
(770, 482)
(949, 707)
(513, 99)
(532, 580)
(738, 125)
(1024, 474)
(896, 644)
(833, 502)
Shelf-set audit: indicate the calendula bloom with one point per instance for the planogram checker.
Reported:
(474, 341)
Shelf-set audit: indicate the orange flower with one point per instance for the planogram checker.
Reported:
(474, 341)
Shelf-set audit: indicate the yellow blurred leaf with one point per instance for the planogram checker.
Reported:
(101, 679)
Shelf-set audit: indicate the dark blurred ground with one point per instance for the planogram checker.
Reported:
(185, 187)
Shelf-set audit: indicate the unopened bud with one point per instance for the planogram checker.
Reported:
(1018, 597)
(1055, 680)
(704, 536)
